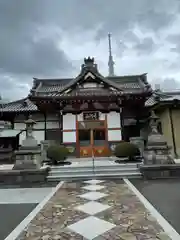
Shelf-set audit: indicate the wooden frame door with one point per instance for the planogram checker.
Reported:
(100, 143)
(85, 142)
(93, 142)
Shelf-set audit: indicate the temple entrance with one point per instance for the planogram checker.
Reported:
(93, 141)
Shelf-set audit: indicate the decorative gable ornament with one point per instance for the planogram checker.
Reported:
(89, 74)
(90, 85)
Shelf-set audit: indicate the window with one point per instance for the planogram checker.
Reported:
(84, 137)
(99, 137)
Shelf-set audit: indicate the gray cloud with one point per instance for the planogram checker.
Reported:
(22, 52)
(175, 40)
(31, 31)
(42, 57)
(166, 83)
(145, 46)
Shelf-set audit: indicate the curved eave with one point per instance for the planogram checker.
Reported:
(164, 104)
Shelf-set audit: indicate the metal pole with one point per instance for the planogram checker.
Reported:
(172, 133)
(93, 161)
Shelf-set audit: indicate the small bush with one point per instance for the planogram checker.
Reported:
(126, 149)
(57, 153)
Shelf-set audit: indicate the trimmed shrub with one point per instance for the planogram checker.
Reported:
(126, 149)
(57, 153)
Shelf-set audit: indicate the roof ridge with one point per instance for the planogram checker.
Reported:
(52, 79)
(126, 75)
(18, 101)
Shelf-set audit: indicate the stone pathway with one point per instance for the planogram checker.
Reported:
(99, 210)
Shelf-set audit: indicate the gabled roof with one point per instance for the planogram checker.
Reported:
(134, 84)
(22, 105)
(160, 96)
(89, 67)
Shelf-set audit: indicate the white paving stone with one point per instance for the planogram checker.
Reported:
(93, 187)
(23, 195)
(94, 181)
(92, 196)
(6, 166)
(92, 207)
(91, 227)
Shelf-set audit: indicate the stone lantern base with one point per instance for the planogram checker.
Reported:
(28, 158)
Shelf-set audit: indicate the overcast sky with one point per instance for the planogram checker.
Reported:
(50, 38)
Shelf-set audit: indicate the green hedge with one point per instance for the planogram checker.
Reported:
(57, 153)
(126, 149)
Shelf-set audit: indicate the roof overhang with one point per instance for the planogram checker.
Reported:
(5, 133)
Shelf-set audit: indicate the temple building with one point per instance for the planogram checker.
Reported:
(91, 113)
(166, 104)
(87, 112)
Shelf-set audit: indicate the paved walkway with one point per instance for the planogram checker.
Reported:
(99, 210)
(16, 203)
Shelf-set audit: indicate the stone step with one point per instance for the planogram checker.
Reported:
(90, 170)
(91, 176)
(85, 167)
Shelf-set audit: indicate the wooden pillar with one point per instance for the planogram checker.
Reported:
(121, 122)
(61, 126)
(45, 125)
(172, 133)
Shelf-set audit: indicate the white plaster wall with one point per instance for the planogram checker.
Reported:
(114, 135)
(113, 120)
(22, 136)
(39, 136)
(22, 126)
(19, 126)
(80, 117)
(101, 116)
(69, 137)
(69, 121)
(51, 125)
(39, 125)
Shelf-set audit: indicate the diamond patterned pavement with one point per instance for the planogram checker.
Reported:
(99, 226)
(94, 187)
(92, 196)
(93, 210)
(94, 181)
(84, 227)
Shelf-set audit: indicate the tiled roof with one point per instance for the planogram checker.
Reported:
(132, 85)
(159, 96)
(56, 87)
(21, 105)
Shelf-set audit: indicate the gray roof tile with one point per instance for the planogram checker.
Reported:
(21, 105)
(162, 96)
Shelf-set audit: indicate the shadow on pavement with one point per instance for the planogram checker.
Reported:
(164, 195)
(11, 215)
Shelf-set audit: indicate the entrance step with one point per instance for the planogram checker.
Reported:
(97, 164)
(91, 176)
(85, 171)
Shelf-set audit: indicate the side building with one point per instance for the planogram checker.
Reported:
(88, 113)
(166, 105)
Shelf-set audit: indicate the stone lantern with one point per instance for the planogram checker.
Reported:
(29, 154)
(157, 150)
(29, 141)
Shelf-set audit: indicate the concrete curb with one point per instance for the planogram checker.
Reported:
(18, 230)
(168, 229)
